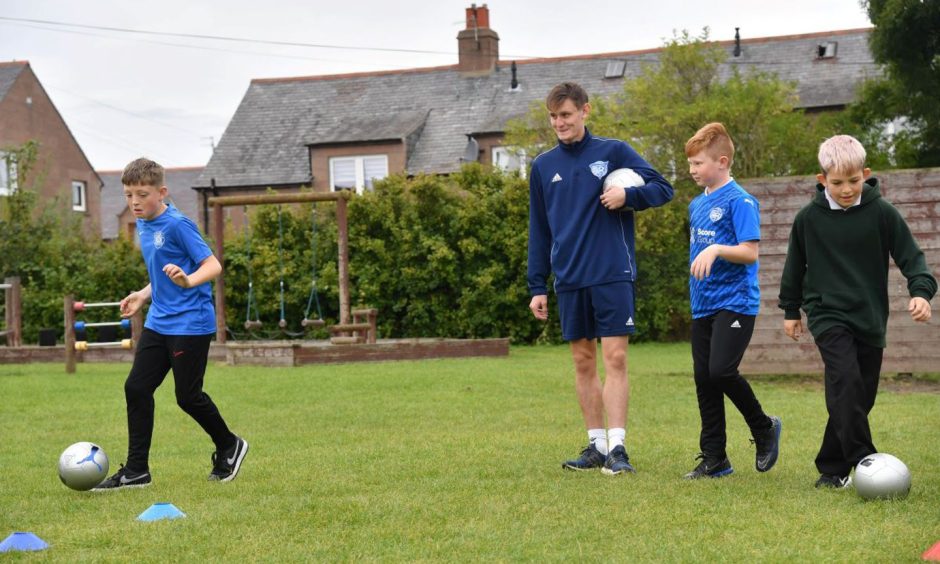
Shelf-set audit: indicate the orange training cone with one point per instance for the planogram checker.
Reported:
(932, 553)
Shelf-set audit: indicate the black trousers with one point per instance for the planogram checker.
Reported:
(852, 372)
(156, 354)
(718, 345)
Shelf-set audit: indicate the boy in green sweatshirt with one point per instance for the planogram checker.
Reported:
(837, 272)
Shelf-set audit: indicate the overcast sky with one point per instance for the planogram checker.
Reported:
(130, 94)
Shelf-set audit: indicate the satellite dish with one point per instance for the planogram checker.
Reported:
(472, 152)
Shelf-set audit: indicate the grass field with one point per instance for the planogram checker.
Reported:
(451, 460)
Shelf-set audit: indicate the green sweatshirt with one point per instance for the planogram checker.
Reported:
(837, 265)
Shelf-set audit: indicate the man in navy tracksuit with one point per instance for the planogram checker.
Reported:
(584, 235)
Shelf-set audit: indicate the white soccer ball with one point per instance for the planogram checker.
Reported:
(83, 466)
(882, 476)
(623, 178)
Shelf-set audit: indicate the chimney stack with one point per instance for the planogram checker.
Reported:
(477, 45)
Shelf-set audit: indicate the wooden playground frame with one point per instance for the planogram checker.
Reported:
(363, 345)
(13, 329)
(342, 239)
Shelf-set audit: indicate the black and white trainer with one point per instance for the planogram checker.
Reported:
(122, 479)
(225, 465)
(831, 481)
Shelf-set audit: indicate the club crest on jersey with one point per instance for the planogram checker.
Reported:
(715, 214)
(599, 168)
(158, 239)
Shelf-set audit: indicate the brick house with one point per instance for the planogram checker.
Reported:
(65, 177)
(341, 131)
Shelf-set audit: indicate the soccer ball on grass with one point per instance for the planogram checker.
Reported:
(83, 466)
(882, 476)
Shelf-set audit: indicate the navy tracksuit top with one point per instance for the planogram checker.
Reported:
(570, 232)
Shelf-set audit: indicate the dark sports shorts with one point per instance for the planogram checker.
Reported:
(597, 311)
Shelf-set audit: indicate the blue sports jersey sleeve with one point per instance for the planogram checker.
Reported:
(745, 215)
(191, 240)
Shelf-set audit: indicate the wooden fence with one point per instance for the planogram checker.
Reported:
(912, 347)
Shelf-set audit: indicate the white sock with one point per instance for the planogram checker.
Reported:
(616, 436)
(598, 438)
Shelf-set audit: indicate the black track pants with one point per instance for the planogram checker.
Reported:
(187, 356)
(718, 345)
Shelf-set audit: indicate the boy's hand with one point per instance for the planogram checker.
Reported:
(702, 265)
(177, 275)
(793, 328)
(614, 198)
(539, 307)
(920, 309)
(131, 304)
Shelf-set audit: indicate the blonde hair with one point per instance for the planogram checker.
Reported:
(841, 153)
(712, 138)
(143, 172)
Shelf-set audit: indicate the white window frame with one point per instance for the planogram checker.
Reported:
(80, 189)
(362, 183)
(8, 174)
(503, 158)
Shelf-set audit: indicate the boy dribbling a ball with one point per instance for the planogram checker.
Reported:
(837, 272)
(179, 327)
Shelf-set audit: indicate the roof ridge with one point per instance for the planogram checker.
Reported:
(165, 169)
(354, 74)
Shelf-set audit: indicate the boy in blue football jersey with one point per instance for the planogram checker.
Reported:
(725, 298)
(179, 327)
(584, 235)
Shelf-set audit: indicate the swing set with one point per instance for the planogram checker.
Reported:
(313, 298)
(354, 326)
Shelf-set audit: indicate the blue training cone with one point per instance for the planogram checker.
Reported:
(159, 511)
(22, 541)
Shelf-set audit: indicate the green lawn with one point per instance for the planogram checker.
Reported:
(451, 460)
